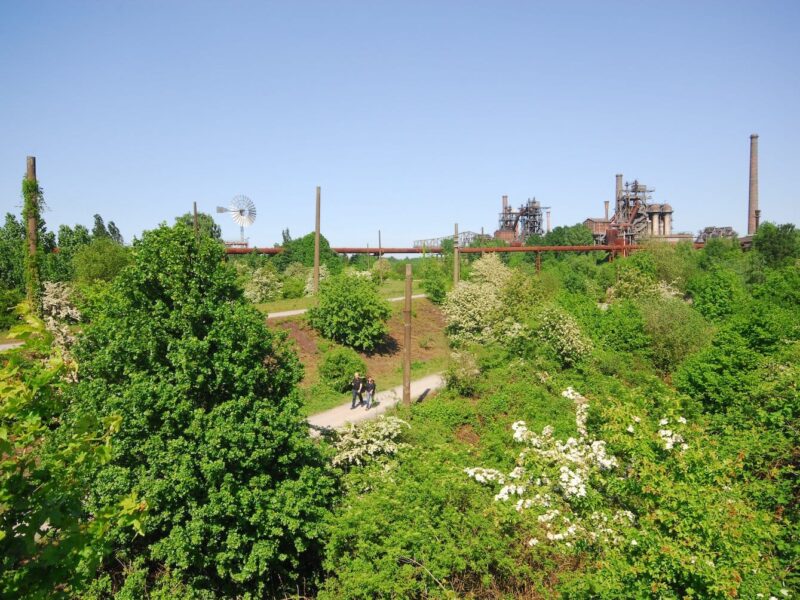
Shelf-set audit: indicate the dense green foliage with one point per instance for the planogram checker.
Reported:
(102, 260)
(301, 250)
(49, 544)
(351, 312)
(210, 433)
(205, 224)
(339, 365)
(33, 199)
(670, 492)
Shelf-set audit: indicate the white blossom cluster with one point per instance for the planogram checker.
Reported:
(472, 311)
(559, 330)
(362, 443)
(264, 285)
(59, 314)
(556, 477)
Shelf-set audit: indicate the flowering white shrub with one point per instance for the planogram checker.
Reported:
(296, 269)
(561, 332)
(462, 373)
(323, 274)
(472, 310)
(264, 285)
(566, 483)
(59, 313)
(491, 270)
(381, 269)
(369, 440)
(563, 481)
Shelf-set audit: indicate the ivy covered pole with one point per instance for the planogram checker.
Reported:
(407, 340)
(316, 246)
(456, 258)
(31, 195)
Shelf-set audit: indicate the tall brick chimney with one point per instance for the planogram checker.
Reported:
(752, 206)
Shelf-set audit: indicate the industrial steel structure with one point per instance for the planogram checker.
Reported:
(634, 219)
(518, 225)
(465, 238)
(715, 232)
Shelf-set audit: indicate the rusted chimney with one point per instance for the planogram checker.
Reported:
(606, 203)
(752, 208)
(548, 221)
(505, 203)
(758, 219)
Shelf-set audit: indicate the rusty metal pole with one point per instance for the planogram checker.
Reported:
(196, 228)
(30, 175)
(379, 244)
(456, 259)
(407, 340)
(316, 245)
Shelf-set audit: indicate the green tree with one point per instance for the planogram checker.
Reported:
(99, 229)
(114, 233)
(351, 312)
(777, 244)
(205, 224)
(101, 260)
(211, 434)
(301, 250)
(12, 253)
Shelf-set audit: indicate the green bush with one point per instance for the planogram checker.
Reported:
(263, 285)
(337, 368)
(351, 312)
(8, 301)
(562, 335)
(294, 287)
(102, 260)
(622, 328)
(717, 293)
(463, 373)
(211, 434)
(434, 284)
(676, 331)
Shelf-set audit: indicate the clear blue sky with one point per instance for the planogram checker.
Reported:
(410, 115)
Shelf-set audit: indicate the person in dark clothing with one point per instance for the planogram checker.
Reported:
(369, 387)
(358, 387)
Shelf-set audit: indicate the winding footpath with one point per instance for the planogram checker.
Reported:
(338, 417)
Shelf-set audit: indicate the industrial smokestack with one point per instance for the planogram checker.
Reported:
(505, 203)
(619, 192)
(606, 203)
(548, 221)
(752, 208)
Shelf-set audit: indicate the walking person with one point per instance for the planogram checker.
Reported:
(358, 388)
(370, 389)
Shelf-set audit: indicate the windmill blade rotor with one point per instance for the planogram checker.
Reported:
(243, 211)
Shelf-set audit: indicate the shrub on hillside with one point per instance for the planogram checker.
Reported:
(338, 366)
(381, 270)
(324, 273)
(350, 311)
(211, 433)
(777, 244)
(263, 285)
(676, 331)
(472, 311)
(434, 284)
(622, 328)
(369, 441)
(717, 293)
(562, 334)
(463, 373)
(294, 287)
(489, 269)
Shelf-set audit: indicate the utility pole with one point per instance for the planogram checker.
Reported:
(407, 340)
(316, 246)
(196, 228)
(379, 245)
(456, 259)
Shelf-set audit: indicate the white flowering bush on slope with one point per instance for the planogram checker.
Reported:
(474, 309)
(661, 517)
(368, 441)
(263, 285)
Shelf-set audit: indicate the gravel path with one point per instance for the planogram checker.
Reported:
(338, 417)
(300, 311)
